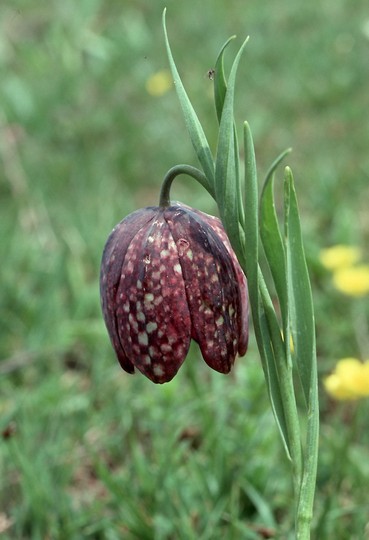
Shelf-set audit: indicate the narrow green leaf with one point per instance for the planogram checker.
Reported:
(220, 83)
(220, 90)
(268, 361)
(273, 244)
(254, 277)
(227, 181)
(299, 290)
(193, 125)
(275, 164)
(251, 205)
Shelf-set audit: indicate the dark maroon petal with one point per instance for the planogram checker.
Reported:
(243, 316)
(111, 265)
(211, 286)
(154, 322)
(243, 311)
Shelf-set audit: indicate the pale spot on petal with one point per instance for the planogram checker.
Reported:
(150, 327)
(158, 300)
(133, 322)
(219, 321)
(143, 338)
(177, 268)
(158, 370)
(153, 351)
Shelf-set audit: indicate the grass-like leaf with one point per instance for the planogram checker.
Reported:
(220, 83)
(272, 240)
(197, 135)
(251, 205)
(303, 334)
(269, 364)
(220, 91)
(227, 181)
(255, 282)
(299, 290)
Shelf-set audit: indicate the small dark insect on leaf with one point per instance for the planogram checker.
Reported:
(210, 74)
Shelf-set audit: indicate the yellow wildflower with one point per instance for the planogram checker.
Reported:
(350, 379)
(352, 281)
(159, 83)
(339, 256)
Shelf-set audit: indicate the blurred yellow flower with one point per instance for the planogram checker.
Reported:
(159, 83)
(339, 256)
(352, 281)
(350, 379)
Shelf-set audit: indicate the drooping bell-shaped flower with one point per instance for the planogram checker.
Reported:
(169, 274)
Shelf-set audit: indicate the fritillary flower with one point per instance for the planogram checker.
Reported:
(169, 275)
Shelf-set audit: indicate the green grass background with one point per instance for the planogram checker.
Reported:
(87, 451)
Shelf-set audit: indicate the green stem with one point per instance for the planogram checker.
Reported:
(176, 171)
(306, 499)
(304, 467)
